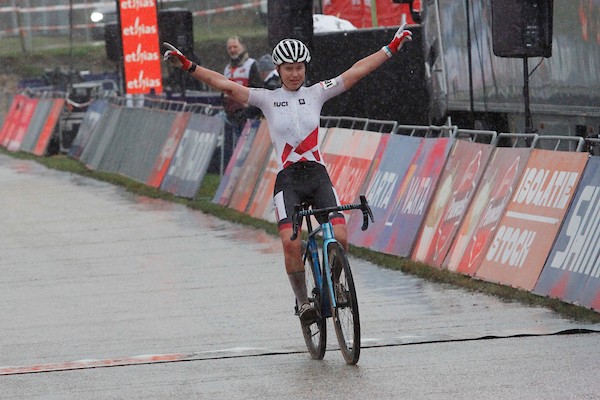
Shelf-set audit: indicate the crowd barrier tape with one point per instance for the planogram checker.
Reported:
(572, 272)
(234, 168)
(252, 169)
(489, 203)
(458, 183)
(527, 230)
(189, 164)
(90, 120)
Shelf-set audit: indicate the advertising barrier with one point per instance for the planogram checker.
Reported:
(233, 171)
(90, 120)
(48, 129)
(261, 206)
(36, 124)
(405, 214)
(168, 150)
(348, 155)
(573, 261)
(526, 232)
(382, 188)
(190, 162)
(252, 169)
(475, 233)
(458, 183)
(17, 122)
(98, 143)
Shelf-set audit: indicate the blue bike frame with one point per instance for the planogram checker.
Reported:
(328, 238)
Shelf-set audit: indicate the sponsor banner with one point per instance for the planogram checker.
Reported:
(49, 127)
(475, 233)
(188, 167)
(525, 235)
(408, 208)
(19, 122)
(38, 120)
(262, 205)
(382, 188)
(458, 183)
(252, 169)
(168, 150)
(99, 142)
(359, 13)
(573, 260)
(348, 155)
(90, 121)
(141, 52)
(232, 173)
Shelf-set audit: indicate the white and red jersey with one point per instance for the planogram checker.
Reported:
(239, 74)
(294, 117)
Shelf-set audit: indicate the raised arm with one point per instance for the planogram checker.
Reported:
(370, 63)
(213, 79)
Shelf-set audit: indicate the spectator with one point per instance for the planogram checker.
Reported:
(268, 72)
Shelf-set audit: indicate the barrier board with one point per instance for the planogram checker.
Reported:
(475, 233)
(348, 155)
(382, 188)
(188, 167)
(19, 122)
(261, 206)
(168, 149)
(252, 169)
(90, 121)
(46, 134)
(573, 260)
(36, 124)
(234, 167)
(100, 140)
(403, 219)
(458, 183)
(527, 230)
(9, 118)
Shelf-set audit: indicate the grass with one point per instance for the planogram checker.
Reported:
(203, 202)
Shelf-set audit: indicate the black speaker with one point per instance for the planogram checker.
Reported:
(112, 41)
(290, 19)
(522, 28)
(176, 26)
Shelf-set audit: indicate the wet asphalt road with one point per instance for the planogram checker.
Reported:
(108, 295)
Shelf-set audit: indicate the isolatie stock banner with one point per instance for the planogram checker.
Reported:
(458, 183)
(527, 230)
(572, 271)
(495, 191)
(382, 188)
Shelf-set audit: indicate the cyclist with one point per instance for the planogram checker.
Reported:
(293, 117)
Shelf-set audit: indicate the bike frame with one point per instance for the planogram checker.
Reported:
(312, 250)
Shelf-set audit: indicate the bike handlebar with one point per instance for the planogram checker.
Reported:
(300, 213)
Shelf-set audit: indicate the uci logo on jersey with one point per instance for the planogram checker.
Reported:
(280, 104)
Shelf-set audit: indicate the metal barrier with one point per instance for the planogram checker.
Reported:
(427, 131)
(560, 142)
(479, 136)
(365, 124)
(516, 139)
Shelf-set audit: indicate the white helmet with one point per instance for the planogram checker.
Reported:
(290, 51)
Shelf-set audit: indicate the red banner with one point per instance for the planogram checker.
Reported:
(49, 126)
(358, 12)
(141, 52)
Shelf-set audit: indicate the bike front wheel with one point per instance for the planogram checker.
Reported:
(315, 334)
(345, 313)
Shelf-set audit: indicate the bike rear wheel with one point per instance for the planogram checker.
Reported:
(315, 334)
(345, 314)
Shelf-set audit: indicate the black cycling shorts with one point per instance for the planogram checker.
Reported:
(303, 182)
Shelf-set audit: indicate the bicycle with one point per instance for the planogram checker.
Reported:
(329, 284)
